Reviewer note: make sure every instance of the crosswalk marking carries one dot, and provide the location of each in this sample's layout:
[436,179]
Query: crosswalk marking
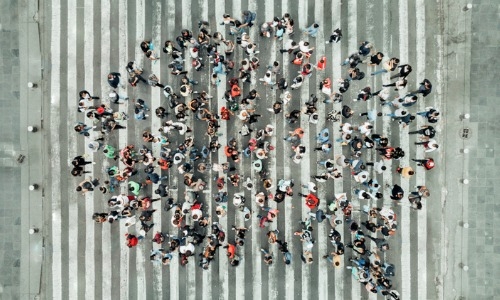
[305,162]
[323,228]
[156,98]
[55,119]
[135,275]
[288,205]
[73,228]
[422,214]
[404,217]
[335,60]
[88,58]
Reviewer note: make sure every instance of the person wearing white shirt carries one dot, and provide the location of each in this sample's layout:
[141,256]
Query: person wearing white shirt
[429,144]
[377,166]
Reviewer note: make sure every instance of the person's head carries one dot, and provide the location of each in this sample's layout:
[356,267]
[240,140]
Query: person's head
[404,112]
[294,44]
[411,172]
[78,188]
[241,242]
[315,25]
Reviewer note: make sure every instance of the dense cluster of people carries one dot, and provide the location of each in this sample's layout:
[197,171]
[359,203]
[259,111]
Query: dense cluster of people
[197,230]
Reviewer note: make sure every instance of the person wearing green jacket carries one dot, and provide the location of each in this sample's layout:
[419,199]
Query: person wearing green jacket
[110,152]
[134,187]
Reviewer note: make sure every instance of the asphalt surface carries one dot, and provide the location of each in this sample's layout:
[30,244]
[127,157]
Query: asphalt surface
[433,252]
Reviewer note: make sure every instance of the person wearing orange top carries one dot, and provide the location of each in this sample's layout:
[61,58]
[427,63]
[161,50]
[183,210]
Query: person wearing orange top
[322,63]
[311,200]
[231,250]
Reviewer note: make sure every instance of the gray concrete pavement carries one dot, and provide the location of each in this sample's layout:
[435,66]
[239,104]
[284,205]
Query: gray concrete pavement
[82,41]
[10,148]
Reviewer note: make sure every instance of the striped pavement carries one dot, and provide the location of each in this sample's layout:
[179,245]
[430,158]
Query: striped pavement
[89,39]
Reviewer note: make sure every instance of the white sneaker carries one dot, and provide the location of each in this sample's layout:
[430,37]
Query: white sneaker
[327,42]
[146,116]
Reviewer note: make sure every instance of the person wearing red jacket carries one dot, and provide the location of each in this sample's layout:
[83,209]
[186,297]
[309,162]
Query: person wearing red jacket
[311,200]
[132,240]
[427,163]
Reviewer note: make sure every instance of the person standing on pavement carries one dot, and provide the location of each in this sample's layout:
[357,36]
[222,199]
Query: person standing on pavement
[426,131]
[427,163]
[114,80]
[335,36]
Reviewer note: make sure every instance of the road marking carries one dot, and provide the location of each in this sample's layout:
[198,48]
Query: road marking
[156,98]
[306,161]
[404,144]
[323,227]
[88,62]
[107,272]
[288,204]
[422,214]
[55,120]
[335,61]
[72,151]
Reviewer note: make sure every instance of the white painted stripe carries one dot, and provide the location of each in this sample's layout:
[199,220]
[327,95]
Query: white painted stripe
[370,105]
[404,142]
[156,98]
[106,231]
[290,271]
[207,275]
[88,62]
[352,9]
[191,272]
[306,161]
[335,61]
[73,197]
[422,214]
[386,120]
[270,98]
[55,163]
[223,129]
[323,228]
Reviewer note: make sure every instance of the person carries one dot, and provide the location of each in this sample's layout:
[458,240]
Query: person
[307,257]
[311,30]
[406,172]
[397,193]
[289,46]
[110,152]
[131,240]
[382,244]
[248,18]
[268,256]
[427,163]
[426,131]
[334,259]
[425,88]
[374,60]
[404,71]
[429,144]
[430,113]
[87,185]
[335,36]
[389,66]
[114,80]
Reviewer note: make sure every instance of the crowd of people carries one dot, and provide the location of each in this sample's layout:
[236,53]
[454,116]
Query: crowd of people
[199,234]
